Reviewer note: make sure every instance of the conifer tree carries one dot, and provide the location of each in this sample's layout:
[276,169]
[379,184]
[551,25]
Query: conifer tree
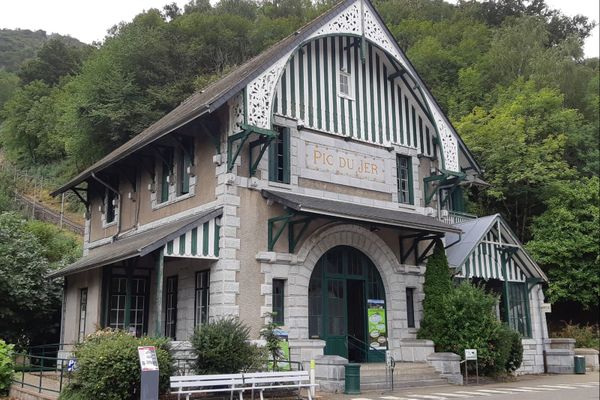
[437,284]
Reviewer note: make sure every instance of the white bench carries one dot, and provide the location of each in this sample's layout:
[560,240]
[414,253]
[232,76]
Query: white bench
[262,381]
[189,385]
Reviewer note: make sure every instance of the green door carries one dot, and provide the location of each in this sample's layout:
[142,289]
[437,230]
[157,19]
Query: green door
[335,325]
[342,288]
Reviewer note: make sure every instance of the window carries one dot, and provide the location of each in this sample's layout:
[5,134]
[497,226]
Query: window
[279,157]
[410,307]
[82,313]
[404,179]
[171,308]
[165,173]
[110,200]
[137,304]
[518,308]
[202,297]
[278,301]
[185,160]
[345,85]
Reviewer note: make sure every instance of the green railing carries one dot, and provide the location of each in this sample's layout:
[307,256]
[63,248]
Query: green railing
[41,373]
[456,217]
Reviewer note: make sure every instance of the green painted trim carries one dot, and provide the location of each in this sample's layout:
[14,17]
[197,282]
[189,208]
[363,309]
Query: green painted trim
[170,247]
[205,234]
[400,114]
[356,94]
[293,103]
[217,238]
[194,241]
[387,108]
[318,82]
[182,244]
[128,291]
[342,99]
[310,81]
[272,234]
[334,93]
[379,95]
[327,79]
[372,96]
[159,266]
[407,112]
[414,126]
[284,101]
[301,82]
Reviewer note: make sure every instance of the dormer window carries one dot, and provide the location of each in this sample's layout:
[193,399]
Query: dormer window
[345,85]
[166,173]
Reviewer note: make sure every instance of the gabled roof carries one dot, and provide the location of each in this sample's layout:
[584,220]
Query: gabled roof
[215,95]
[474,231]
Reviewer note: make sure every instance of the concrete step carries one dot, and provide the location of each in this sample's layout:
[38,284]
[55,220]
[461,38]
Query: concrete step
[406,375]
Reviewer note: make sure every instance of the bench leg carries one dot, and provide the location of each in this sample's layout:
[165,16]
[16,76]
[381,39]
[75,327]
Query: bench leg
[261,395]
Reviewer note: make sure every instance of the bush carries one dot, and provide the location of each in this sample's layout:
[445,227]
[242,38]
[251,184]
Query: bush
[515,355]
[587,336]
[222,347]
[7,367]
[438,283]
[108,366]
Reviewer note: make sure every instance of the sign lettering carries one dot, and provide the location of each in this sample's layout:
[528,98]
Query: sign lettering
[344,162]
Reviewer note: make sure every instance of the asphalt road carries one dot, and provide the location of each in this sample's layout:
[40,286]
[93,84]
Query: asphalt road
[546,387]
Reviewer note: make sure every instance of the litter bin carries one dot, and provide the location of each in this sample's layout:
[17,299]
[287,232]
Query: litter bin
[352,375]
[579,364]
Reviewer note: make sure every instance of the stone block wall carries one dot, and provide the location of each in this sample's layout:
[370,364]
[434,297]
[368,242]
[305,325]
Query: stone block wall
[448,365]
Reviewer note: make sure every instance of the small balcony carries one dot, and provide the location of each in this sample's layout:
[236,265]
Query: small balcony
[455,217]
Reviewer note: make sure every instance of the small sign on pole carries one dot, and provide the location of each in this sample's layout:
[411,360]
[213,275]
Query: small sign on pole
[150,372]
[546,308]
[471,355]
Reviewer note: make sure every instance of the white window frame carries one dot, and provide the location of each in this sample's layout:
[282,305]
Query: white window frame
[350,94]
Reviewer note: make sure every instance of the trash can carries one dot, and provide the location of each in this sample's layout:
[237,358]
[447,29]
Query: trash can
[352,379]
[579,364]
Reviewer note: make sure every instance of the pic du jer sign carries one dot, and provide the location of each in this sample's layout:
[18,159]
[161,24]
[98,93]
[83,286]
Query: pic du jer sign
[344,162]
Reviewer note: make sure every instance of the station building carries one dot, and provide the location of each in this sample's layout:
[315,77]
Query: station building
[312,182]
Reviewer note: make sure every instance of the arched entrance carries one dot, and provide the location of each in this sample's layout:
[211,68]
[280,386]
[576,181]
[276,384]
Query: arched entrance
[346,301]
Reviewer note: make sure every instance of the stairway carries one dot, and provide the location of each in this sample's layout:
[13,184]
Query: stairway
[373,376]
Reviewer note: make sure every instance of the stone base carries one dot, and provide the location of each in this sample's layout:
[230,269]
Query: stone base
[591,358]
[415,350]
[560,361]
[448,365]
[306,350]
[330,373]
[533,357]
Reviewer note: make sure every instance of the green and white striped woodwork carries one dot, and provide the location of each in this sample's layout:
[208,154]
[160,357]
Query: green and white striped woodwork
[485,261]
[200,242]
[380,110]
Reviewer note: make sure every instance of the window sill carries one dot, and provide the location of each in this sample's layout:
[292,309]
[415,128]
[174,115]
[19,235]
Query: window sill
[407,206]
[280,185]
[172,201]
[109,225]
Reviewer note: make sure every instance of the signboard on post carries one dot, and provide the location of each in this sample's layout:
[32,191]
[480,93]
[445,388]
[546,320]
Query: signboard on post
[470,354]
[377,327]
[150,373]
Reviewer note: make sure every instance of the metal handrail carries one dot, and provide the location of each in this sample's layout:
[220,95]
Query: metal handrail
[366,344]
[44,364]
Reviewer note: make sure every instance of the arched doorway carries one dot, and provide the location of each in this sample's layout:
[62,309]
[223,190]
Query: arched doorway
[346,301]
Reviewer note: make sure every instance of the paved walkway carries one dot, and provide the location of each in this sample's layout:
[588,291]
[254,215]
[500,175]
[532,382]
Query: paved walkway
[530,387]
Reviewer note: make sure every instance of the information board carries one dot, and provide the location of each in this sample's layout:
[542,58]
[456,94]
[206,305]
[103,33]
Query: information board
[377,328]
[148,360]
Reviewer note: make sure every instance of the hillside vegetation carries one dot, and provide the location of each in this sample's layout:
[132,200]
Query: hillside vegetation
[510,74]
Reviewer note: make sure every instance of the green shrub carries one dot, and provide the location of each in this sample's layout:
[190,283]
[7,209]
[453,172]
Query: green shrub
[108,366]
[7,367]
[515,355]
[587,336]
[222,347]
[438,283]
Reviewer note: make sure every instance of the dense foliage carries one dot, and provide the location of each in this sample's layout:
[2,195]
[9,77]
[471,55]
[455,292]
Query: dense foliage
[108,366]
[222,347]
[586,336]
[509,73]
[437,285]
[30,307]
[7,368]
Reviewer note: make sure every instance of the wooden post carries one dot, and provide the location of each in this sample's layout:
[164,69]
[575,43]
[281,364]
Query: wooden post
[159,266]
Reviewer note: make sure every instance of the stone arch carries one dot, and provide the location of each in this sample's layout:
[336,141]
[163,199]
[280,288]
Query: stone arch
[369,243]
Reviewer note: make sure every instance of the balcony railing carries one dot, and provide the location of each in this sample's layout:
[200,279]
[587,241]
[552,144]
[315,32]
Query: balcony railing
[455,217]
